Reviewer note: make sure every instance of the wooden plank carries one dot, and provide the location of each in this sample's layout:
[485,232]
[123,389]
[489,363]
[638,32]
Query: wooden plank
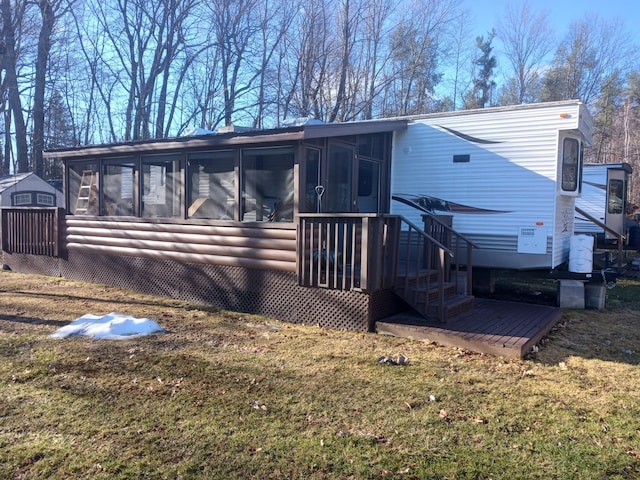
[506,329]
[522,331]
[503,326]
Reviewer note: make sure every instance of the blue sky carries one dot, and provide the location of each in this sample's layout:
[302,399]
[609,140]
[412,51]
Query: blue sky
[486,14]
[561,12]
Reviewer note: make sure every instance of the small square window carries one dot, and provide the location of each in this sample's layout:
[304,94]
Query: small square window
[45,199]
[22,199]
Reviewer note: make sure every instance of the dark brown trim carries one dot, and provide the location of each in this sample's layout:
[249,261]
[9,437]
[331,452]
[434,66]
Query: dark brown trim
[289,134]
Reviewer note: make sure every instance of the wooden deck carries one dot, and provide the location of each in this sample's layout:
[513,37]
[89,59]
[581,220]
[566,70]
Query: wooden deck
[495,327]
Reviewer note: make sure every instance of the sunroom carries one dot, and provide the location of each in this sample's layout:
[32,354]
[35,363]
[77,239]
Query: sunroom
[239,176]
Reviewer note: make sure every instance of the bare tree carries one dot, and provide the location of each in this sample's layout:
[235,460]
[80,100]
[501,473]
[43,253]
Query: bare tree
[235,28]
[459,82]
[630,127]
[417,47]
[94,110]
[50,12]
[12,17]
[275,18]
[374,57]
[527,39]
[304,69]
[146,41]
[204,102]
[592,53]
[348,19]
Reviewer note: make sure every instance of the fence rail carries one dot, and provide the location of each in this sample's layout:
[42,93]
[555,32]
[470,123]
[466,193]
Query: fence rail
[32,230]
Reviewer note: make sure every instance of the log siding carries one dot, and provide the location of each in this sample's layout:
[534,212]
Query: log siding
[252,246]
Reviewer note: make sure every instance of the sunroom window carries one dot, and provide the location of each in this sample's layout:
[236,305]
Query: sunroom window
[118,183]
[267,185]
[82,182]
[211,178]
[161,186]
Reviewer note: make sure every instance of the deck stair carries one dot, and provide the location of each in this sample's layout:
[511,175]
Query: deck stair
[428,268]
[425,279]
[432,299]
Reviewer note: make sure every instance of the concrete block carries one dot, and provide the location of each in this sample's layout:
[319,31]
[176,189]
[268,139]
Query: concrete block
[571,294]
[594,296]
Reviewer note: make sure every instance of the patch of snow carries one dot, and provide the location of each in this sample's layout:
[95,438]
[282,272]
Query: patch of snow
[113,326]
[301,122]
[195,131]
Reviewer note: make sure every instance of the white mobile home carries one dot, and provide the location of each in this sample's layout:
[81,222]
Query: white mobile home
[509,177]
[604,197]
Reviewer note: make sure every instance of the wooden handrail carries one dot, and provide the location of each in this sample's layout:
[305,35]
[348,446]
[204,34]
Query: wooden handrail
[428,237]
[454,232]
[459,239]
[621,238]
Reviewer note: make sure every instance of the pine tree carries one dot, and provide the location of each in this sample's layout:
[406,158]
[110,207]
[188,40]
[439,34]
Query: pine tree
[483,84]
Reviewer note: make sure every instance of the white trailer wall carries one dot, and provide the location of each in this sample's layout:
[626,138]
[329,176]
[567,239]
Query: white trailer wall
[504,177]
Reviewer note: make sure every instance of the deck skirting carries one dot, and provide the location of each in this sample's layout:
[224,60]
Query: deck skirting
[274,293]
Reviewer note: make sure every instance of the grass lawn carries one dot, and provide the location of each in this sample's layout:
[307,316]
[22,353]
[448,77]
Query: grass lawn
[234,396]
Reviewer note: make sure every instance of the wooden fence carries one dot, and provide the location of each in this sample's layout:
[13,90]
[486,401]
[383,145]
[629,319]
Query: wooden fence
[32,230]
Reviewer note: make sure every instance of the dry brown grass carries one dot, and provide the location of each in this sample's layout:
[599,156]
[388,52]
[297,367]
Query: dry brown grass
[229,395]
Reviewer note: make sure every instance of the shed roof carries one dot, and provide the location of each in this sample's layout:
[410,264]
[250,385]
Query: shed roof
[8,181]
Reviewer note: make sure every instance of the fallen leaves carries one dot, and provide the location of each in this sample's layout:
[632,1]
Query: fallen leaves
[635,453]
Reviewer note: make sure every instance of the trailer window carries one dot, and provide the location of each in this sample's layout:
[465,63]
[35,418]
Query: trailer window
[616,196]
[570,164]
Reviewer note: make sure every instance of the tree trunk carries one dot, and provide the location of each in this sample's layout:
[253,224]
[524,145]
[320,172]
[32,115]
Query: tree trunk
[11,85]
[44,46]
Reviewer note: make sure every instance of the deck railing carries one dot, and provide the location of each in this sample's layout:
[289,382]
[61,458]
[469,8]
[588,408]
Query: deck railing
[32,230]
[424,265]
[341,251]
[369,252]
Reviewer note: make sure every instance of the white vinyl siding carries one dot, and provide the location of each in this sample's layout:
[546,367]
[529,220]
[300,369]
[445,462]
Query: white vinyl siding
[510,169]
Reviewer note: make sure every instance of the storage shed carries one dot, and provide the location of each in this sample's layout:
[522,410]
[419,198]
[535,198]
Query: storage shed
[26,190]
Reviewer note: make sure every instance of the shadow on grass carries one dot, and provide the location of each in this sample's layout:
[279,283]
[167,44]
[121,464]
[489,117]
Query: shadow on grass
[167,302]
[33,321]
